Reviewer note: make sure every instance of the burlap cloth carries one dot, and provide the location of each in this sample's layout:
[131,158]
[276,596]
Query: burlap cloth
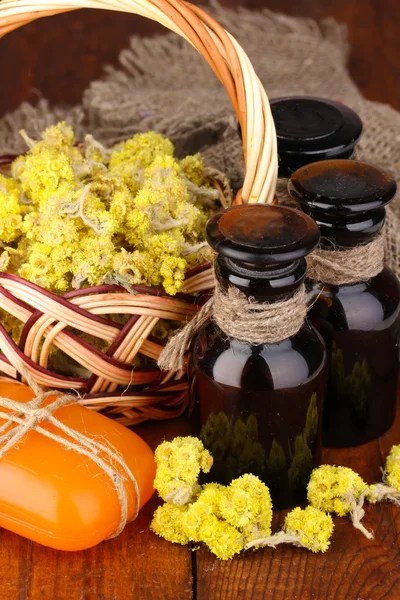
[163,84]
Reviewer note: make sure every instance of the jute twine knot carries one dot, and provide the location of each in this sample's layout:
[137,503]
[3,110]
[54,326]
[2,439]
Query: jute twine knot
[25,417]
[340,266]
[242,318]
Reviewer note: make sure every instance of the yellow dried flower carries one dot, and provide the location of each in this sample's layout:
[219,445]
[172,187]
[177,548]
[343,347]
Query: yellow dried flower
[203,522]
[152,267]
[46,174]
[92,259]
[137,226]
[246,504]
[333,489]
[311,526]
[225,518]
[12,325]
[393,467]
[59,136]
[89,210]
[204,512]
[223,539]
[48,267]
[178,467]
[136,199]
[10,210]
[168,523]
[129,159]
[390,488]
[193,168]
[339,490]
[164,169]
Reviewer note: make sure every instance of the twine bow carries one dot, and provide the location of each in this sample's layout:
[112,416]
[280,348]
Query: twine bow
[25,417]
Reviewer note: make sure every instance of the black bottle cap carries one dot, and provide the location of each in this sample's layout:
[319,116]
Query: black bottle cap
[345,197]
[259,234]
[313,129]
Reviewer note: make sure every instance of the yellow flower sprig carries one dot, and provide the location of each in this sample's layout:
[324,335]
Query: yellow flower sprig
[341,491]
[228,519]
[179,464]
[223,518]
[309,528]
[390,488]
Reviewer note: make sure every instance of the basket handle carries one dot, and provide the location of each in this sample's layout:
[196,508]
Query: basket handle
[221,51]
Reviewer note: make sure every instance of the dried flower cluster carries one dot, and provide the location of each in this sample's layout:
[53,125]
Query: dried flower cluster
[73,216]
[227,519]
[390,488]
[339,490]
[178,468]
[342,491]
[237,517]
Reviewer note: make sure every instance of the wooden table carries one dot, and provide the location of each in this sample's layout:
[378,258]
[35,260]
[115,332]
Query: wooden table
[142,566]
[138,564]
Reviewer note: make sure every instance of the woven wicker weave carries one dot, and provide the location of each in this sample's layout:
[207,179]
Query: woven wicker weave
[133,394]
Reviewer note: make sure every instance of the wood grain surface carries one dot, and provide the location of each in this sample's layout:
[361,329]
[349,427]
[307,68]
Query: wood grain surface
[354,568]
[139,565]
[57,58]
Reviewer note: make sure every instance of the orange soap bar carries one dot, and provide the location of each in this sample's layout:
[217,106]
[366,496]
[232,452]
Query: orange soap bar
[58,497]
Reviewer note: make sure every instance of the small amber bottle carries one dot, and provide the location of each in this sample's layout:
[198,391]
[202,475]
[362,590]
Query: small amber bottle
[359,320]
[258,407]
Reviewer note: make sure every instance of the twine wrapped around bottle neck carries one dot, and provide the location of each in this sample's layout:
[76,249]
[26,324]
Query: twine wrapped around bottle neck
[341,266]
[20,418]
[241,318]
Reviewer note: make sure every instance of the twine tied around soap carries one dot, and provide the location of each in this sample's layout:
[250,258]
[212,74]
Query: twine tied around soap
[341,266]
[242,318]
[29,416]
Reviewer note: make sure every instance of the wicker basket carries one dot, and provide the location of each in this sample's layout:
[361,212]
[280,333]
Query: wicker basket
[132,394]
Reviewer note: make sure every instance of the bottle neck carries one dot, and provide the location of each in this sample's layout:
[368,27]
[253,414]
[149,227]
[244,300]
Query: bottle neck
[289,162]
[350,230]
[269,284]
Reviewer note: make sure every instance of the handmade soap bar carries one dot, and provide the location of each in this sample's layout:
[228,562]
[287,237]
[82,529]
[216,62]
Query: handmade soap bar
[59,497]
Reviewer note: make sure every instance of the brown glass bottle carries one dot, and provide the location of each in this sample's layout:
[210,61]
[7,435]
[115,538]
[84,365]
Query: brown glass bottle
[310,129]
[258,408]
[360,321]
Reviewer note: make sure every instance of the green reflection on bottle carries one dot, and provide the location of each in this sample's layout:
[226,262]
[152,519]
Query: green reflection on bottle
[302,464]
[353,389]
[215,435]
[360,382]
[338,378]
[235,450]
[311,429]
[276,462]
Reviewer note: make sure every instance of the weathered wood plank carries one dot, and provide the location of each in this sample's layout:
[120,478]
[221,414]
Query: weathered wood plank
[353,569]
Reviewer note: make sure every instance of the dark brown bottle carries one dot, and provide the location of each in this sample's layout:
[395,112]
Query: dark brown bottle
[312,129]
[258,407]
[359,321]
